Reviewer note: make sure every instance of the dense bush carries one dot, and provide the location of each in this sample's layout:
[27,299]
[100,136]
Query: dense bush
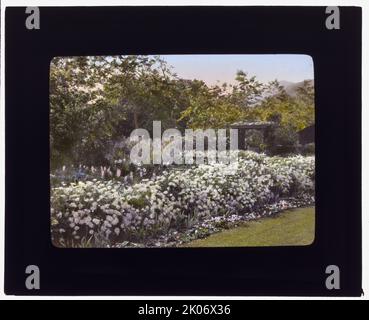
[100,212]
[283,141]
[308,149]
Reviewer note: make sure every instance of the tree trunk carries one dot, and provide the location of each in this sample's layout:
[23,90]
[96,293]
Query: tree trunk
[135,119]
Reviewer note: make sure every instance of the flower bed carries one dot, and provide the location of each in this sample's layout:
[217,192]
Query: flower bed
[106,213]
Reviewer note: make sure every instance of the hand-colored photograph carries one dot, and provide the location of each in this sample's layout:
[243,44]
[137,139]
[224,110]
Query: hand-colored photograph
[156,151]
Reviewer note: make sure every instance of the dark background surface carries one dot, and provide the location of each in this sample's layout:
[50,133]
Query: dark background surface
[180,30]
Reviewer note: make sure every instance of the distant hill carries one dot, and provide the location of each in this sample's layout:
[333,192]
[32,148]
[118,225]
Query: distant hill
[291,87]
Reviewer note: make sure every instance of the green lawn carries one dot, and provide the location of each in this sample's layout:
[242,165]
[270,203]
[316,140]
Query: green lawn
[291,227]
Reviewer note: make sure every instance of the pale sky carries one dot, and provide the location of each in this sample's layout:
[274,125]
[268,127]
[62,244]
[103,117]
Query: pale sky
[266,67]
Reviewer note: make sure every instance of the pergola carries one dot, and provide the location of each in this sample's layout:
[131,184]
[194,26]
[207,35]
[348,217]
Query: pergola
[243,126]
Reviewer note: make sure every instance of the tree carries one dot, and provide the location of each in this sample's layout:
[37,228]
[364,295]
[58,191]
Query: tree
[294,112]
[147,89]
[82,119]
[305,92]
[220,106]
[96,101]
[247,91]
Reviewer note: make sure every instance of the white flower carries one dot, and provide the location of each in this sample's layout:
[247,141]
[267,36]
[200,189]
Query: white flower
[200,191]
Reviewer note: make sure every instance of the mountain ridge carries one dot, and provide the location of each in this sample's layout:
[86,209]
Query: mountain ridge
[291,87]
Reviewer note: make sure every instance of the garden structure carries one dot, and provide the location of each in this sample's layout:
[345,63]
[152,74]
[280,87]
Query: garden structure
[307,135]
[247,130]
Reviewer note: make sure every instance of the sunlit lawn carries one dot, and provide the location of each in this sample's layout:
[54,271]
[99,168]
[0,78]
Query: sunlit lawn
[291,227]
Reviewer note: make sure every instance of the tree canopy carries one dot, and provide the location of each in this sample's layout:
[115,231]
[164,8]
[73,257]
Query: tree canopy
[95,101]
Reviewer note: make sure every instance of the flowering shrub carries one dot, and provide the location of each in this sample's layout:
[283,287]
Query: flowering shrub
[107,212]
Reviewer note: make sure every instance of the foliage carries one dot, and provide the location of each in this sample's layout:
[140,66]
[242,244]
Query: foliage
[81,122]
[96,101]
[210,108]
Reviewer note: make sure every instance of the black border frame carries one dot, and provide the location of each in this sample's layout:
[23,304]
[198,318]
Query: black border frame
[291,271]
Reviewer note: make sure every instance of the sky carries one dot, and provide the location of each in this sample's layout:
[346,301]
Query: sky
[223,68]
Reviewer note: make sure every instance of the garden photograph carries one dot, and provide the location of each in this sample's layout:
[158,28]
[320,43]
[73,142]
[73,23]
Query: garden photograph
[185,151]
